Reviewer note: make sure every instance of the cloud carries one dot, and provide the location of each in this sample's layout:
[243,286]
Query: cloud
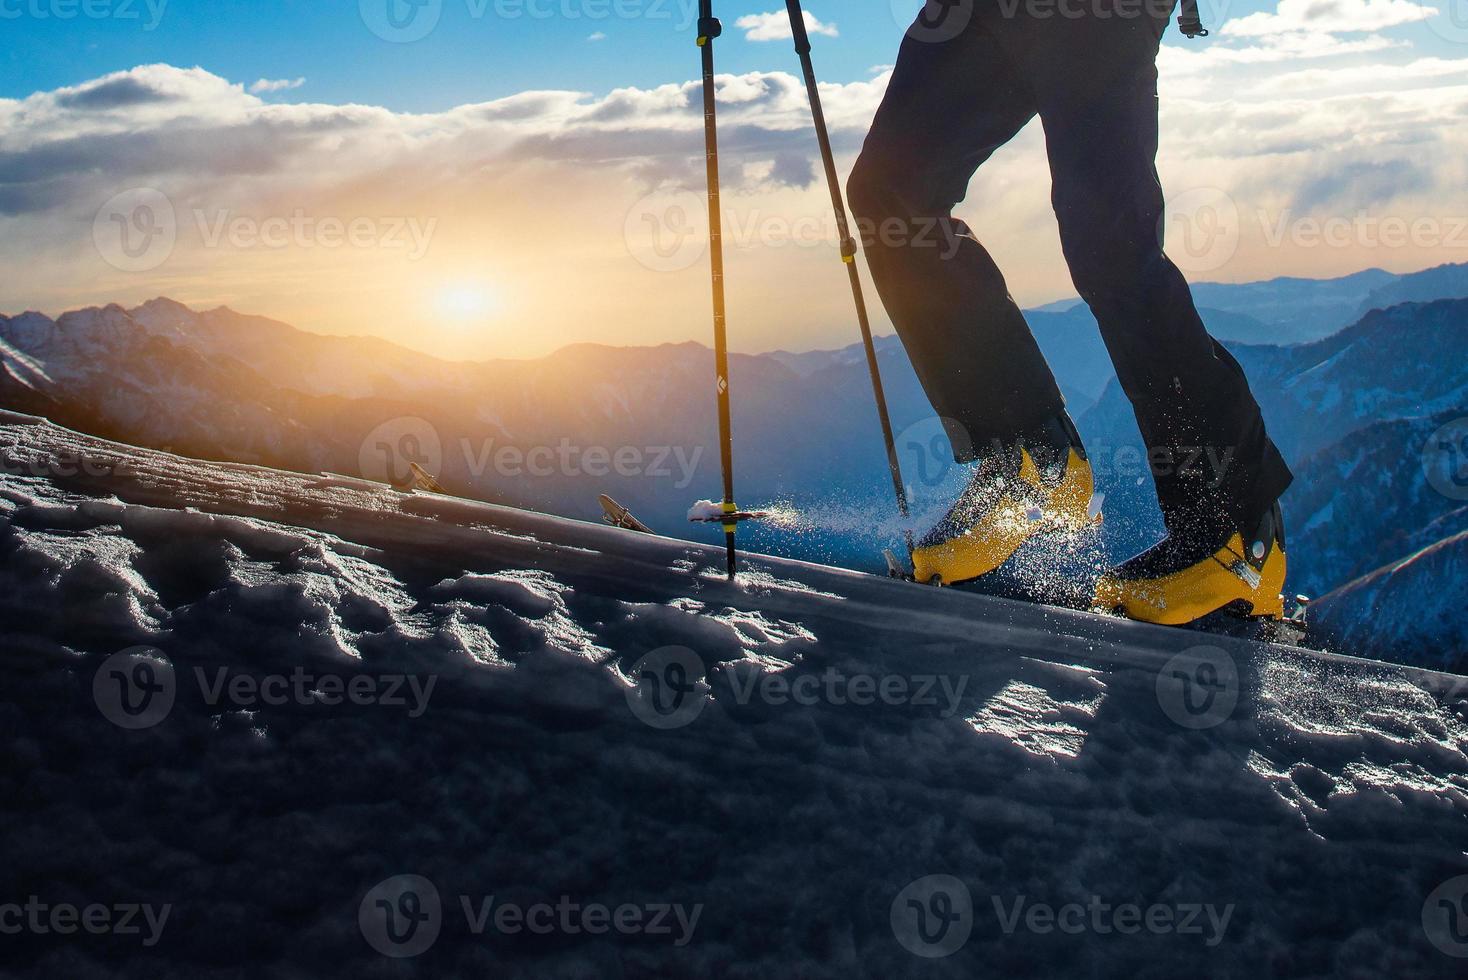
[775,26]
[111,93]
[277,84]
[1329,17]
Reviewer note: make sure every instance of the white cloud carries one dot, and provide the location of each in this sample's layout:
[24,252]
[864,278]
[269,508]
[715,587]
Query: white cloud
[775,26]
[277,84]
[1329,17]
[596,36]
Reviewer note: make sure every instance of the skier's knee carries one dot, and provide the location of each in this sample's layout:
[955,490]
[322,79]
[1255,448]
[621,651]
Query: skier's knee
[870,192]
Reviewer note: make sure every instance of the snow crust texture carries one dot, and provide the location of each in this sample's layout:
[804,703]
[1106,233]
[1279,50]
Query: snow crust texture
[340,730]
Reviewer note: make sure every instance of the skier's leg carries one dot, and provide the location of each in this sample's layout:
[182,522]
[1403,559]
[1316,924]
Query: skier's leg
[1225,544]
[948,107]
[1191,398]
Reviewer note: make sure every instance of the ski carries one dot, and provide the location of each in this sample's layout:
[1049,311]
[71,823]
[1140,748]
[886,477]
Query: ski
[616,515]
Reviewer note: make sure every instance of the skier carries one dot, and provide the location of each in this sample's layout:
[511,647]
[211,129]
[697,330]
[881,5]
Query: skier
[969,76]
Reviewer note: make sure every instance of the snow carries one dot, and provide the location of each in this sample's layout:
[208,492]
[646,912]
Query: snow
[840,741]
[706,510]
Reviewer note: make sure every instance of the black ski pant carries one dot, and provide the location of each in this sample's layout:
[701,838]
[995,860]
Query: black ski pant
[961,90]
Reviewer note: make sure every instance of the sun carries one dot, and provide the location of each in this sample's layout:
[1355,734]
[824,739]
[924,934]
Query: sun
[466,301]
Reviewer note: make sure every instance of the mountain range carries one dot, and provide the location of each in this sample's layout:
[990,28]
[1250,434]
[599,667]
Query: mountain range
[1353,406]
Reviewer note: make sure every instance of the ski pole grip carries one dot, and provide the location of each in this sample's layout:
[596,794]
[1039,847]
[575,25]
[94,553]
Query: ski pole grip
[797,27]
[708,29]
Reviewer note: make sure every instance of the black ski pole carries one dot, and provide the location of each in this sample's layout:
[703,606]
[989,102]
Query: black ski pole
[708,29]
[848,250]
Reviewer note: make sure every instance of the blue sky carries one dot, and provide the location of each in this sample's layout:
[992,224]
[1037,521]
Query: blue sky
[474,54]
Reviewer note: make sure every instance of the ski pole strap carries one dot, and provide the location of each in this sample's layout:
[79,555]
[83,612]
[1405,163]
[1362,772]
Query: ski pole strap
[708,25]
[1188,20]
[731,524]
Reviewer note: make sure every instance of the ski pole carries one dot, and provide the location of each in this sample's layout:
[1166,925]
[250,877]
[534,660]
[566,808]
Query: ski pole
[848,251]
[708,29]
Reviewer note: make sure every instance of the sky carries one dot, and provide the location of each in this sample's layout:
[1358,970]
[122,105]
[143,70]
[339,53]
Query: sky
[487,178]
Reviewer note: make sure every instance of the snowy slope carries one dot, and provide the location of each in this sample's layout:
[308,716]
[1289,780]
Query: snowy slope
[986,764]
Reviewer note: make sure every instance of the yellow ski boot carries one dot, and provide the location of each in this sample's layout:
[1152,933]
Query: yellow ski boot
[1181,581]
[1036,486]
